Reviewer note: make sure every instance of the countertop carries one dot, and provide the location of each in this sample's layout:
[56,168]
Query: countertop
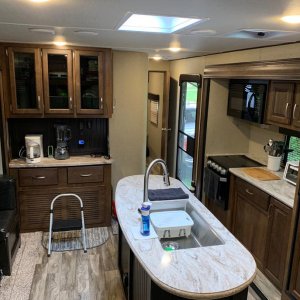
[83,160]
[279,189]
[197,273]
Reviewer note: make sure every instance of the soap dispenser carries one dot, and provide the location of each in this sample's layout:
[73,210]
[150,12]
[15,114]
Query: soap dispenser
[145,218]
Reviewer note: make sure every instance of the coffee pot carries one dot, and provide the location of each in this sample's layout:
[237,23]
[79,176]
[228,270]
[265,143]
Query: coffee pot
[34,148]
[63,135]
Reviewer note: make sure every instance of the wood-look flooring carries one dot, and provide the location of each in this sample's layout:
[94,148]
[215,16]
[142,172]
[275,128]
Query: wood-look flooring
[77,275]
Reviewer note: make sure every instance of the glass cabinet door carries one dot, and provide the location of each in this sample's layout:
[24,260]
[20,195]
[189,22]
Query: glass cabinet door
[58,88]
[89,82]
[26,80]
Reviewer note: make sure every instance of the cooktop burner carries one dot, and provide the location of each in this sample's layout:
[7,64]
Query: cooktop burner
[234,161]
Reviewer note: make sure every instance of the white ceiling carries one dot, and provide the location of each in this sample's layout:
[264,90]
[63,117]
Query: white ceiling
[226,18]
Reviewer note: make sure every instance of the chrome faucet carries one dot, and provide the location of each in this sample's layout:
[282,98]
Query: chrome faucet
[146,178]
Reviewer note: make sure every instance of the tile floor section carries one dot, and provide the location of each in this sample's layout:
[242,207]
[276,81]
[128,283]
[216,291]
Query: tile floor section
[18,285]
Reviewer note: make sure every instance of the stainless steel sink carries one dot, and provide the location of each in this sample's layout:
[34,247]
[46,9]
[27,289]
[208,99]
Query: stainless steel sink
[202,234]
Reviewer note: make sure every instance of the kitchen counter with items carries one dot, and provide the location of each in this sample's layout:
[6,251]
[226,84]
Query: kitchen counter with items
[83,160]
[279,189]
[205,272]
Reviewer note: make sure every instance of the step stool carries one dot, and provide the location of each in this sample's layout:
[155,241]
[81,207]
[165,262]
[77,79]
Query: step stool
[66,225]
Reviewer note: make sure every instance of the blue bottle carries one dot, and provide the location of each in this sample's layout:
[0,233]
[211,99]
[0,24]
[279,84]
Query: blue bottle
[145,221]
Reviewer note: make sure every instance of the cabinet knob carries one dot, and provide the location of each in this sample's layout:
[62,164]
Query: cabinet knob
[38,177]
[86,175]
[287,110]
[294,111]
[71,103]
[101,103]
[248,192]
[39,101]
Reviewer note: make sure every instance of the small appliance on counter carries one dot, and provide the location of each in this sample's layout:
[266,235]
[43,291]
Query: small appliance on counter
[63,135]
[34,148]
[291,172]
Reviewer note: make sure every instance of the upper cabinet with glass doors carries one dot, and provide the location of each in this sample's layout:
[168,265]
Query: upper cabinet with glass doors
[25,81]
[59,82]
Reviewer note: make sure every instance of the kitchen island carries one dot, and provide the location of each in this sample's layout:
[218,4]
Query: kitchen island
[215,272]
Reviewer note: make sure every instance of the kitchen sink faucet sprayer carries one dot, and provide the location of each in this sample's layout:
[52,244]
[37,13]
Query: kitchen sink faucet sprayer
[146,178]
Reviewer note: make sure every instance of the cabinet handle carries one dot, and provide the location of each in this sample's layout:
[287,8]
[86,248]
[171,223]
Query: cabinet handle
[38,177]
[86,175]
[71,103]
[101,103]
[248,192]
[294,111]
[286,109]
[39,101]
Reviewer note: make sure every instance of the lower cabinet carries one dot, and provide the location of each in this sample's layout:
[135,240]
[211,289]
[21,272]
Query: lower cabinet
[262,224]
[37,187]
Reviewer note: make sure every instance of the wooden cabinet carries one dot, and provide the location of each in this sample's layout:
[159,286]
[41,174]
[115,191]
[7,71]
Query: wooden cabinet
[283,105]
[25,81]
[55,82]
[262,224]
[250,221]
[277,241]
[58,81]
[38,186]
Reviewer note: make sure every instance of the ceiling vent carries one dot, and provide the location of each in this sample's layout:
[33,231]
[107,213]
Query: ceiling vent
[259,34]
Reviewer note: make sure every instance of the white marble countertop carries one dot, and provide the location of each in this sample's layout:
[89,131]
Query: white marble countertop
[196,273]
[279,189]
[83,160]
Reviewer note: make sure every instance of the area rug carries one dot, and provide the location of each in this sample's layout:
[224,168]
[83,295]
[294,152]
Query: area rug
[72,240]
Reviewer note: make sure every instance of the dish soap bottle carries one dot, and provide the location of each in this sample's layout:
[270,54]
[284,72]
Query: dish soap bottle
[145,222]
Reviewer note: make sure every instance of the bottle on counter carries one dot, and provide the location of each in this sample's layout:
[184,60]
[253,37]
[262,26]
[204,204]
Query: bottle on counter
[145,220]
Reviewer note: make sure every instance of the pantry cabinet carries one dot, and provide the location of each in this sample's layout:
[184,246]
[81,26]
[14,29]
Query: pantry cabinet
[52,82]
[26,84]
[262,224]
[283,104]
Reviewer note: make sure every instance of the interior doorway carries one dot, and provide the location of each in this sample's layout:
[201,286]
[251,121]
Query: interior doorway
[157,116]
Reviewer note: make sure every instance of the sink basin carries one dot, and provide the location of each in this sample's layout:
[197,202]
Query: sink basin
[202,235]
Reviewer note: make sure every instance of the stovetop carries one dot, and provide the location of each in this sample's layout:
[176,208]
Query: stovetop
[234,161]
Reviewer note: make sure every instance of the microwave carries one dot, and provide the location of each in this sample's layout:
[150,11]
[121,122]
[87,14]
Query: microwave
[246,99]
[291,172]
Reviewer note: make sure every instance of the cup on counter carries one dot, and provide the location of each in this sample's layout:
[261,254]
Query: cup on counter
[274,163]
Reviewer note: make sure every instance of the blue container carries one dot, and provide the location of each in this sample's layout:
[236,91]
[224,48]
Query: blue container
[145,220]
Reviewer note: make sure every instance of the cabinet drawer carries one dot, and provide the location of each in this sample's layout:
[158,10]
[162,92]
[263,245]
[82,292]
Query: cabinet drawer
[253,194]
[38,177]
[85,174]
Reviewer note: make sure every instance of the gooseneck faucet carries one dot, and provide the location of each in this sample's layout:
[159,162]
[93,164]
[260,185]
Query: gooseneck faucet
[146,178]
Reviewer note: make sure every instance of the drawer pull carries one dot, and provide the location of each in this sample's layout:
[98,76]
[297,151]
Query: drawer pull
[86,175]
[248,192]
[38,177]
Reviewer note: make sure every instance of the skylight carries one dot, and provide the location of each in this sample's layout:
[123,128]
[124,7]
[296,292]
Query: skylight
[160,24]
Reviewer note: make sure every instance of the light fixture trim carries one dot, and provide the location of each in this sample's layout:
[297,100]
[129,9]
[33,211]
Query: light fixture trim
[291,19]
[156,23]
[59,43]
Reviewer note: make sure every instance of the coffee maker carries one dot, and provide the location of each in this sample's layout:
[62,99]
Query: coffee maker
[34,148]
[63,135]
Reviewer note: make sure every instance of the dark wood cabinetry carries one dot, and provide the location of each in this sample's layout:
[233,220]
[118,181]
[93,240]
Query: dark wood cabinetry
[262,224]
[250,222]
[38,186]
[277,241]
[283,105]
[51,82]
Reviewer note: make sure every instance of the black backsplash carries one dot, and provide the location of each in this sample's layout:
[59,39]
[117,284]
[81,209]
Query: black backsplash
[93,131]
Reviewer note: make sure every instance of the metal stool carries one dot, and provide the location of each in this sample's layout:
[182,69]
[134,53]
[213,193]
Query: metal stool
[65,225]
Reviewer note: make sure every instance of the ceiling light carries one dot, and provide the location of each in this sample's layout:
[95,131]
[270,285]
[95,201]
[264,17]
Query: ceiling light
[39,1]
[156,57]
[293,19]
[59,43]
[42,30]
[174,49]
[86,32]
[158,24]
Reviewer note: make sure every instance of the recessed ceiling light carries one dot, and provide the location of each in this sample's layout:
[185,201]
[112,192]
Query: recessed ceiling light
[39,1]
[174,49]
[42,30]
[156,57]
[158,24]
[86,32]
[59,43]
[293,19]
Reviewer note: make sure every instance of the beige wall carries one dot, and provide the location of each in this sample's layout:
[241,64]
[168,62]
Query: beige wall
[155,86]
[160,65]
[127,127]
